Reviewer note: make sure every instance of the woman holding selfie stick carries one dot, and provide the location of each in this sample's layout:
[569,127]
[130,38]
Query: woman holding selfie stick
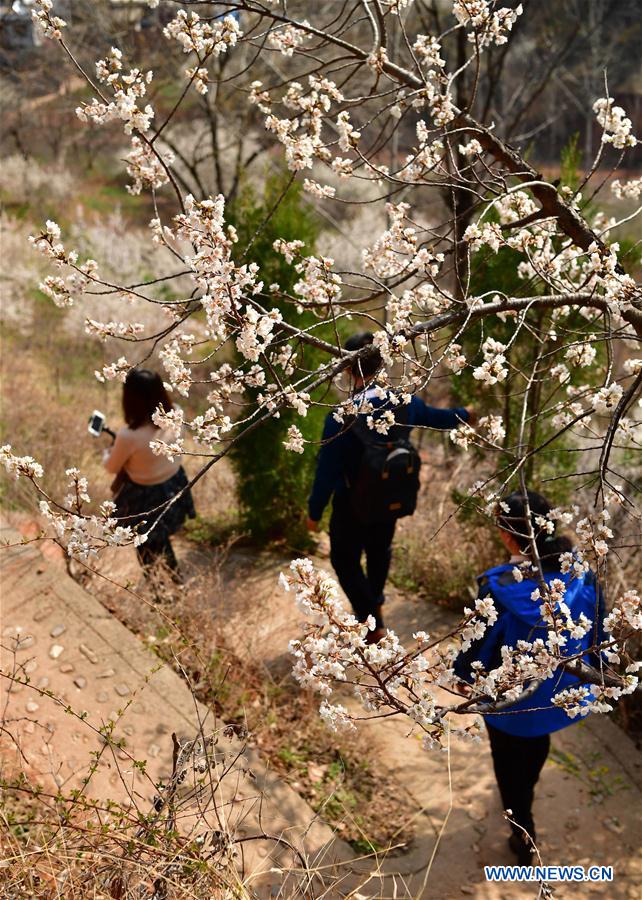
[145,482]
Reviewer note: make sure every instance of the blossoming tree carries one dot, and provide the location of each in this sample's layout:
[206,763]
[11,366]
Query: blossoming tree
[347,106]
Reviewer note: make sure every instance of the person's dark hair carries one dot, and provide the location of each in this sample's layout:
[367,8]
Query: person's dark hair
[143,393]
[366,365]
[512,518]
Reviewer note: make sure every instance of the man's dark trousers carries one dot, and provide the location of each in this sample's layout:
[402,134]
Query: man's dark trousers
[349,539]
[518,762]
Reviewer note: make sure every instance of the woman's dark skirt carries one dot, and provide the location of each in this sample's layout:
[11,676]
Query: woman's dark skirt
[141,506]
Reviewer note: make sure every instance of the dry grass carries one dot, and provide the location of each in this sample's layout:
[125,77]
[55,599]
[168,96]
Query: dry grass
[189,843]
[47,401]
[55,846]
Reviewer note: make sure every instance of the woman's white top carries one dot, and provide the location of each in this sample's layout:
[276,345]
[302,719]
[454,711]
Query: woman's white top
[131,452]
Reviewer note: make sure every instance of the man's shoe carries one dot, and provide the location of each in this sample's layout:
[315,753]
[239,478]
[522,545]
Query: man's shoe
[521,847]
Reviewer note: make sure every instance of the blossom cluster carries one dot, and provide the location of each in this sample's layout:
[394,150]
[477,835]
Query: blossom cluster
[146,167]
[426,158]
[128,88]
[616,124]
[488,26]
[395,249]
[428,49]
[565,268]
[594,533]
[494,367]
[319,285]
[384,675]
[294,441]
[631,189]
[18,466]
[301,133]
[50,25]
[114,371]
[82,535]
[626,613]
[201,37]
[105,330]
[287,38]
[63,291]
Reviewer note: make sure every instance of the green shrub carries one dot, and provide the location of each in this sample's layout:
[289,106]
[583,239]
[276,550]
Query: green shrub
[273,483]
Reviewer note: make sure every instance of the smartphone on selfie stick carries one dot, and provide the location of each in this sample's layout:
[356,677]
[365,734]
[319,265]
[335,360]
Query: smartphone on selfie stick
[97,425]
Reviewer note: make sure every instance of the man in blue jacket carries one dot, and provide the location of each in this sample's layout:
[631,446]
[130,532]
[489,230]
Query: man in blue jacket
[338,464]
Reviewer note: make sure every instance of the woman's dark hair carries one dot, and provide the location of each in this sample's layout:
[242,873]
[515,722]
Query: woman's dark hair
[367,365]
[143,393]
[512,518]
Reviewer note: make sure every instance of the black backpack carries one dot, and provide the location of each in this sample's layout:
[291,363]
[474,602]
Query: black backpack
[386,483]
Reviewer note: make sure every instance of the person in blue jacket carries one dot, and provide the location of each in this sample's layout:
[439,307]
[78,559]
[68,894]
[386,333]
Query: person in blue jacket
[337,466]
[519,734]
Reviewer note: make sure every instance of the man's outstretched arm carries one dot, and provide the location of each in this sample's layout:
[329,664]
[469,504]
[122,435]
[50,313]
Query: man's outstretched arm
[439,417]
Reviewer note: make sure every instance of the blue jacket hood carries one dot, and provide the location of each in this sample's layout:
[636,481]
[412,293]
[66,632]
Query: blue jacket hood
[515,596]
